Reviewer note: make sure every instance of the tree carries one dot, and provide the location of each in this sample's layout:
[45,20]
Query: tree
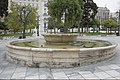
[90,10]
[70,10]
[95,24]
[109,24]
[51,23]
[3,7]
[15,22]
[3,26]
[31,18]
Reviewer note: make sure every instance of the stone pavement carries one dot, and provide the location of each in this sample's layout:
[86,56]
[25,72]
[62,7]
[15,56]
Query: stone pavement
[109,69]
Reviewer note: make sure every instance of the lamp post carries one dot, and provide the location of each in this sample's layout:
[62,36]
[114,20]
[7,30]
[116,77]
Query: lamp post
[118,22]
[37,27]
[24,12]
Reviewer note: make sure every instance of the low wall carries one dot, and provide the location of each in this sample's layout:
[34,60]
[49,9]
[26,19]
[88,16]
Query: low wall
[45,57]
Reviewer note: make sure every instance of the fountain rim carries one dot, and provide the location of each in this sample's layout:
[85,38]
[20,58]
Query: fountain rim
[10,45]
[66,34]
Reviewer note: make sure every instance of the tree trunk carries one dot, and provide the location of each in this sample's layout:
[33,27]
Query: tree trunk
[54,30]
[110,30]
[5,31]
[82,30]
[72,30]
[106,30]
[14,31]
[115,30]
[50,30]
[78,28]
[30,30]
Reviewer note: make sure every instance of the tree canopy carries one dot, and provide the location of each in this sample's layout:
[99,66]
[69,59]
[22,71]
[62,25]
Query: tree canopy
[109,23]
[90,10]
[15,19]
[69,10]
[72,12]
[3,7]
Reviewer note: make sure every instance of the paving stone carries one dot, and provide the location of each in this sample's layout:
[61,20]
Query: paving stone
[111,78]
[2,69]
[20,69]
[90,76]
[118,77]
[3,76]
[84,72]
[103,71]
[102,75]
[72,74]
[32,77]
[76,77]
[104,68]
[60,75]
[113,66]
[32,71]
[44,76]
[19,75]
[57,70]
[113,73]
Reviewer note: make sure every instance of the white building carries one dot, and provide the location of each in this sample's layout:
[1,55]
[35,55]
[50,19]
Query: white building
[103,13]
[42,10]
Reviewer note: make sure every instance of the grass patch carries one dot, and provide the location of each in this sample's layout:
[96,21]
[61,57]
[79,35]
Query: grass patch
[97,33]
[15,35]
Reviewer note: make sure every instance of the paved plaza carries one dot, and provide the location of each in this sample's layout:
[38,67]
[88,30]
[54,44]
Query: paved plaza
[109,69]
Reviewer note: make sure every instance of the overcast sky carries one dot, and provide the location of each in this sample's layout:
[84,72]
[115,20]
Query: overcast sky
[113,5]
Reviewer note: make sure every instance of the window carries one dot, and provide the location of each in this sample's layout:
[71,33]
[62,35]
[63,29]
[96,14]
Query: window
[24,4]
[45,14]
[45,9]
[37,6]
[20,3]
[33,4]
[45,5]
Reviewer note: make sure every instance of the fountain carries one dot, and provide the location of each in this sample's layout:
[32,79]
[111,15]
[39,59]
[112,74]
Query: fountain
[58,51]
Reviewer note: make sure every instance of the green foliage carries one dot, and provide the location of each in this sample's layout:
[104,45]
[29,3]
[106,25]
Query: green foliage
[31,18]
[109,23]
[71,10]
[51,23]
[15,35]
[3,26]
[15,22]
[90,10]
[3,7]
[95,22]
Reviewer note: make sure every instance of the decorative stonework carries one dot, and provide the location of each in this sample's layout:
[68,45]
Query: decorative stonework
[60,38]
[57,58]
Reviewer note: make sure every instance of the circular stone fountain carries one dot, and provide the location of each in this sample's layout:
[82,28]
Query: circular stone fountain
[57,50]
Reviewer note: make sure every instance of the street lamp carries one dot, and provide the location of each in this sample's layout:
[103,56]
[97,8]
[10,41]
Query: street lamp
[118,22]
[37,27]
[45,24]
[24,12]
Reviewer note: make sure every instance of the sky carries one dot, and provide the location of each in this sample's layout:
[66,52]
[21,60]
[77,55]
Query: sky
[112,5]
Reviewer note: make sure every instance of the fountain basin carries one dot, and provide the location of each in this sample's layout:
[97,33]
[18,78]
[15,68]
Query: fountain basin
[60,38]
[57,57]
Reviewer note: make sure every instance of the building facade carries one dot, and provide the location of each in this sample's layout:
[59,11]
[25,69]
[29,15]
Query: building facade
[103,13]
[42,11]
